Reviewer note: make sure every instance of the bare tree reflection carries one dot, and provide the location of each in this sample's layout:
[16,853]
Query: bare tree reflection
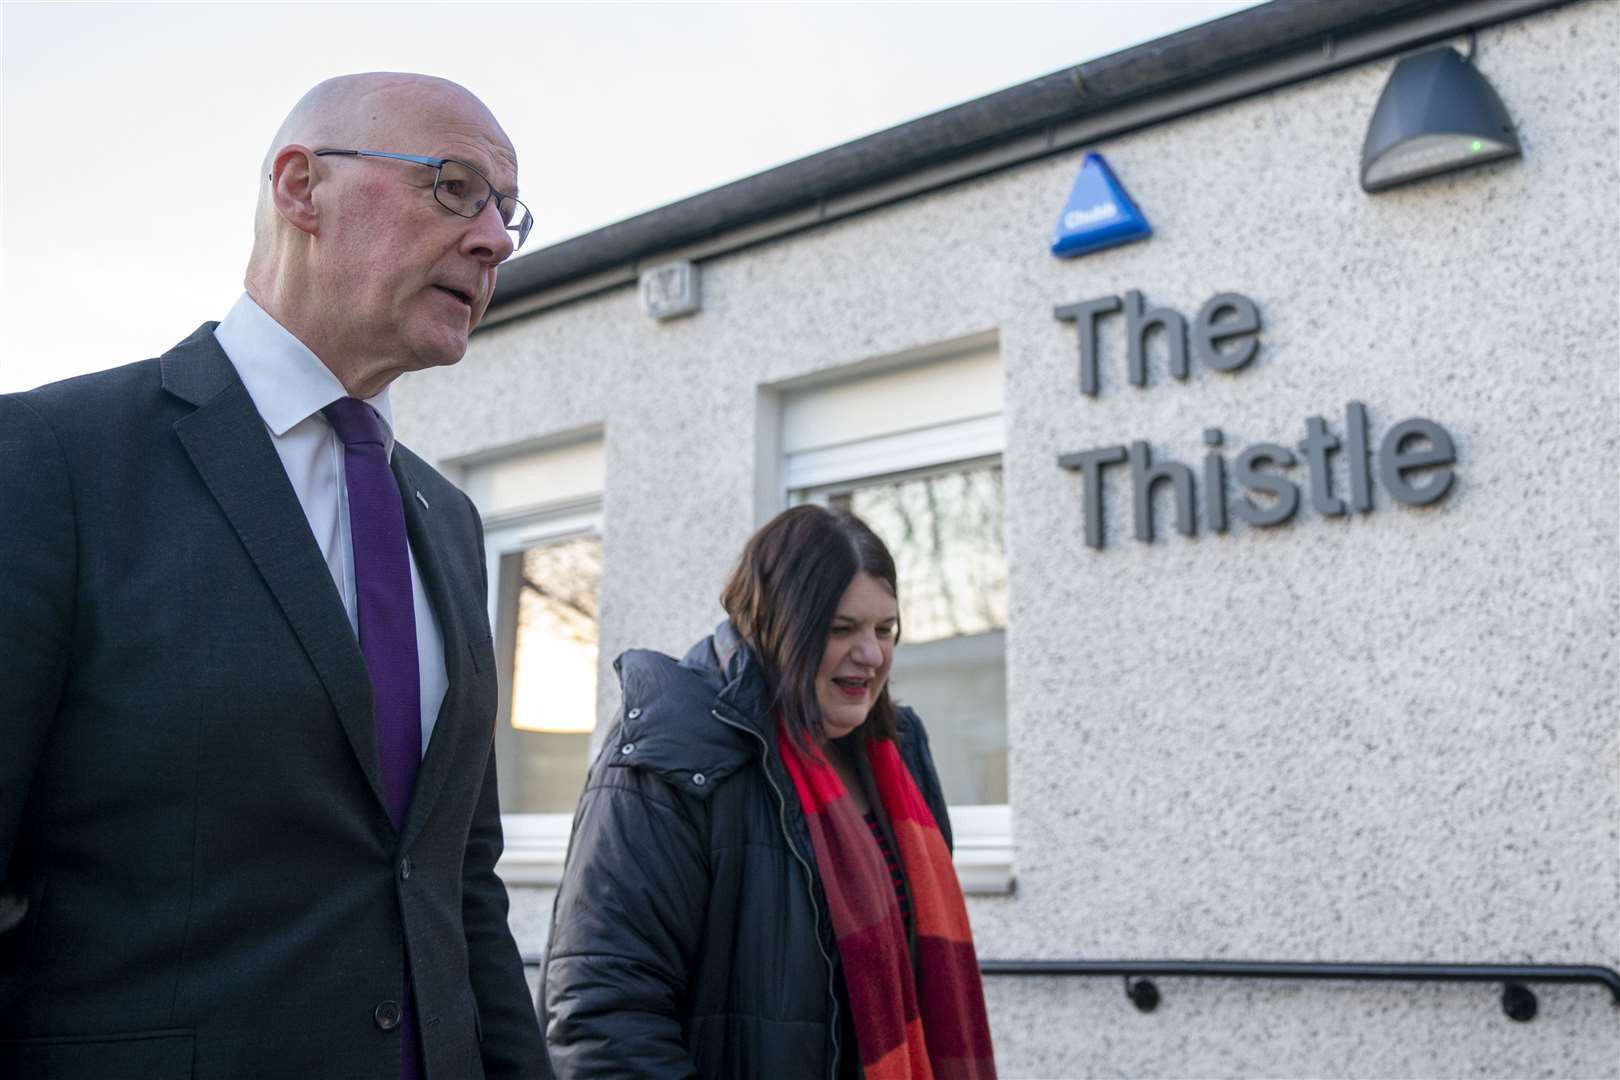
[945,531]
[557,585]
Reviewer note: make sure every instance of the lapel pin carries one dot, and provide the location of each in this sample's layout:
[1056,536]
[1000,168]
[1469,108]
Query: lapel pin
[423,500]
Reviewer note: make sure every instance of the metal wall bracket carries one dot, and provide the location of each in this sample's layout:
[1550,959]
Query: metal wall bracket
[1143,994]
[1519,1002]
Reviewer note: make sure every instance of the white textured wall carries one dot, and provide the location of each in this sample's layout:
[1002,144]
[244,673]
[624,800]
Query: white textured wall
[1385,737]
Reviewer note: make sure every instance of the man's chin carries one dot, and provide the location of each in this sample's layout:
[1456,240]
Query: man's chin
[450,356]
[440,350]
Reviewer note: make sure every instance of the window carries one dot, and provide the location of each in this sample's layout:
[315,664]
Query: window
[547,638]
[944,530]
[543,545]
[914,450]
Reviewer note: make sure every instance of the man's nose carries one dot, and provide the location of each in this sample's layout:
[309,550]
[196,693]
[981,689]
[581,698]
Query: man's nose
[488,239]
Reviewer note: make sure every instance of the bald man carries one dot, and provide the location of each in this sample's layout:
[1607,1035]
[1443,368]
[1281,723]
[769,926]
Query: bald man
[248,817]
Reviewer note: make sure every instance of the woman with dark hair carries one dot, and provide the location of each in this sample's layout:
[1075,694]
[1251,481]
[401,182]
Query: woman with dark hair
[759,882]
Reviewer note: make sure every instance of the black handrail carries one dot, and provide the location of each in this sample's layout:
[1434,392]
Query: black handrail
[1517,999]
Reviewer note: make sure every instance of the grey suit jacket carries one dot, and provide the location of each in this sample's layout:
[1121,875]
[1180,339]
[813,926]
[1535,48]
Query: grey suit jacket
[201,875]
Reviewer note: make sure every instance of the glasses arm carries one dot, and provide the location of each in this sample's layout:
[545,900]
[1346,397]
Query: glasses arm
[418,159]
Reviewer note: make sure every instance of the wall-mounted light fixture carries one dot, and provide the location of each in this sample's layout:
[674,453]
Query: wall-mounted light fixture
[1437,113]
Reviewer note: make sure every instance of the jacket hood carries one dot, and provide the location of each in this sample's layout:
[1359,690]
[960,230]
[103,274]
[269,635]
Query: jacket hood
[681,718]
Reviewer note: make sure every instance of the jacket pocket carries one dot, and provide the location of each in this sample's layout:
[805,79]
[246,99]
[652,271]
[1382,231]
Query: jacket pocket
[126,1055]
[482,647]
[477,1019]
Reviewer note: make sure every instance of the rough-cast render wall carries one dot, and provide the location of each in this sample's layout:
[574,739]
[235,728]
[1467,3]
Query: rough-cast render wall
[1384,737]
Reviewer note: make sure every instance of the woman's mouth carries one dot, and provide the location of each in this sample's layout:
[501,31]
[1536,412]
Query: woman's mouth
[855,689]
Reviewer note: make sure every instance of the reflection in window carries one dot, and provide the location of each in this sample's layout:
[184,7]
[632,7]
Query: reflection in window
[548,617]
[945,532]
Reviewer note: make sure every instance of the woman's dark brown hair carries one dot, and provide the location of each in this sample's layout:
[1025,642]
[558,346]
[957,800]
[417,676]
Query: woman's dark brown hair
[782,598]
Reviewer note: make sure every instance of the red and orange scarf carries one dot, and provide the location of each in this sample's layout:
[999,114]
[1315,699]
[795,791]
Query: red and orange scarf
[910,1026]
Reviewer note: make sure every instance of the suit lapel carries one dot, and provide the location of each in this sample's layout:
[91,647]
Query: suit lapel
[426,527]
[229,447]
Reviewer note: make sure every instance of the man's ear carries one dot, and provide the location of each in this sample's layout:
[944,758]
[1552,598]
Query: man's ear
[292,186]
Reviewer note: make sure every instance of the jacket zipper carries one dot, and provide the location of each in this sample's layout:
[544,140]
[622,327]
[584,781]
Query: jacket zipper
[809,879]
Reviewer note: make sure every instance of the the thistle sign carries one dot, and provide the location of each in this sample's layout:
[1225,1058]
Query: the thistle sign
[1412,460]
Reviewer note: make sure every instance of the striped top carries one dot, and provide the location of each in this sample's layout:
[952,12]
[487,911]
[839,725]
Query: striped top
[896,875]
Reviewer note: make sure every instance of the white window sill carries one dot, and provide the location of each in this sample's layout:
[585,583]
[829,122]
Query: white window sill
[984,849]
[537,844]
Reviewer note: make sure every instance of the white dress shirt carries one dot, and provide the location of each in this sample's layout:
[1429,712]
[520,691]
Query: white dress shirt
[290,386]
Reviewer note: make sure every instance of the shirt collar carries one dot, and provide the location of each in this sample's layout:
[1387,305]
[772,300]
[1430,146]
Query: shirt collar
[287,382]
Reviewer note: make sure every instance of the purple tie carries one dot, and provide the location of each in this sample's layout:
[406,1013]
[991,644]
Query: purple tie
[387,618]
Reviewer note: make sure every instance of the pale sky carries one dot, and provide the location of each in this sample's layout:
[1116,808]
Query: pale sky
[132,133]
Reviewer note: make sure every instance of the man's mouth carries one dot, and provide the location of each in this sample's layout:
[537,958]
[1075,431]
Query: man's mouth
[465,298]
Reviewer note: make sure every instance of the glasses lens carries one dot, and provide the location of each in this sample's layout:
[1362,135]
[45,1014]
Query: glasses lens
[518,219]
[461,190]
[464,191]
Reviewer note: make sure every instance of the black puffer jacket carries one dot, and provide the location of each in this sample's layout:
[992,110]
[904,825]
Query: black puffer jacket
[691,936]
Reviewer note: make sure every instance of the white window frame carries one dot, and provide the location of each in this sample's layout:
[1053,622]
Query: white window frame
[984,854]
[535,844]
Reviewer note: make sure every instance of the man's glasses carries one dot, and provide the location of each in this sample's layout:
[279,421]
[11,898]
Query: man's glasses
[462,190]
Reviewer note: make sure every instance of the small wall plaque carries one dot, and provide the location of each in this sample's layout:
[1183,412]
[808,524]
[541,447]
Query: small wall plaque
[670,291]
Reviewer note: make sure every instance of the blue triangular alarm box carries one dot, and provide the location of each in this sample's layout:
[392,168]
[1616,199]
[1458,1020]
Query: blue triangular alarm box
[1098,214]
